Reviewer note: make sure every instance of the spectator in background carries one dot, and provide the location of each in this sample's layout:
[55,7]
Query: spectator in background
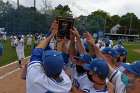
[29,40]
[119,44]
[4,36]
[36,40]
[13,37]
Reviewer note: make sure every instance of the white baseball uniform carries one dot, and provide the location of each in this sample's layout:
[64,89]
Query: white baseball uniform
[20,48]
[38,82]
[116,79]
[12,40]
[53,43]
[36,39]
[90,89]
[111,43]
[116,46]
[41,39]
[80,81]
[4,36]
[29,39]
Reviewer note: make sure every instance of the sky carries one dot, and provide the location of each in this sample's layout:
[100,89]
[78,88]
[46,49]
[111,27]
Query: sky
[85,7]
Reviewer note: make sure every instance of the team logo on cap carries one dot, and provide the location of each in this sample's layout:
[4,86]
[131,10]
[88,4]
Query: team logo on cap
[95,69]
[124,53]
[109,52]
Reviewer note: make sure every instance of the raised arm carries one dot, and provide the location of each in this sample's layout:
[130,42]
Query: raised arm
[72,50]
[93,46]
[96,50]
[54,29]
[79,43]
[60,45]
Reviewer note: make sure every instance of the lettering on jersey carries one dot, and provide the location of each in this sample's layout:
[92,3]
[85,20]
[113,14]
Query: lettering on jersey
[76,83]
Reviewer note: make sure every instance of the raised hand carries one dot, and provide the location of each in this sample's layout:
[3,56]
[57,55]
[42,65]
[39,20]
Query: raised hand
[75,32]
[89,38]
[54,28]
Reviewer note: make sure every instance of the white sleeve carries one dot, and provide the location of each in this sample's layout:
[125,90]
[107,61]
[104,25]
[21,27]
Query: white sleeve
[117,81]
[15,41]
[34,70]
[87,88]
[38,82]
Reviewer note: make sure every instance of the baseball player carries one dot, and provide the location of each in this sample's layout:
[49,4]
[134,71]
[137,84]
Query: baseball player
[19,43]
[53,43]
[29,40]
[36,40]
[122,54]
[41,38]
[78,73]
[119,44]
[128,82]
[98,71]
[123,83]
[4,36]
[111,55]
[111,43]
[45,71]
[13,37]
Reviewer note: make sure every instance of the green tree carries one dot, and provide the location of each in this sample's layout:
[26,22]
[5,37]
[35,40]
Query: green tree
[115,19]
[61,11]
[98,21]
[129,20]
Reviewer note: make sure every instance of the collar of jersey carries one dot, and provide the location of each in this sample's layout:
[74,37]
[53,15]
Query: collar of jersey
[101,90]
[57,81]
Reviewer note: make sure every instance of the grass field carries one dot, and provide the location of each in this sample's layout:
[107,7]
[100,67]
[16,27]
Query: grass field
[9,53]
[133,50]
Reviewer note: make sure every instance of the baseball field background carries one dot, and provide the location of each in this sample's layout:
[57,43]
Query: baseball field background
[9,53]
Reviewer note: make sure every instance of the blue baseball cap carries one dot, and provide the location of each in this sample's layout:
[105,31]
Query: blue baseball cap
[98,65]
[84,57]
[121,51]
[119,41]
[110,51]
[133,67]
[52,62]
[106,40]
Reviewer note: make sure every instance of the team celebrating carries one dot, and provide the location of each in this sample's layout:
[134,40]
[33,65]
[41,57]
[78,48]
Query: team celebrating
[80,65]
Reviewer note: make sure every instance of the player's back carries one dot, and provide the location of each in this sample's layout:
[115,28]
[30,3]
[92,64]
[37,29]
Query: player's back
[40,83]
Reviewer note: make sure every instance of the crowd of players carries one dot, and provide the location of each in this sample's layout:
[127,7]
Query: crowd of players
[18,42]
[80,65]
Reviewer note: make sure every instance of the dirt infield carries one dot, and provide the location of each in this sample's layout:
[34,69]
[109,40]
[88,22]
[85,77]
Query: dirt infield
[136,50]
[10,81]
